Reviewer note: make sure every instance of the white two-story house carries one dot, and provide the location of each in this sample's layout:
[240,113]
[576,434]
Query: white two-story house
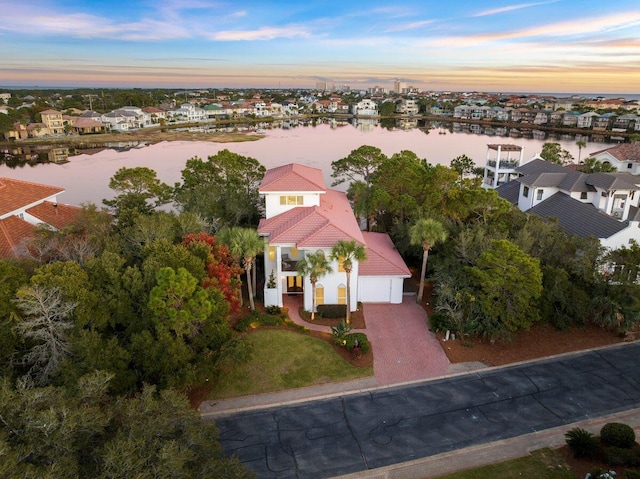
[303,216]
[366,107]
[600,205]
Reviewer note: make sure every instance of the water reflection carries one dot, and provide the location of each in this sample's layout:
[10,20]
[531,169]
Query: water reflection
[316,143]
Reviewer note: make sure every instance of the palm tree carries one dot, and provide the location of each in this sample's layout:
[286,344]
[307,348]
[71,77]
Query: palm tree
[581,144]
[246,244]
[252,245]
[347,252]
[426,233]
[314,265]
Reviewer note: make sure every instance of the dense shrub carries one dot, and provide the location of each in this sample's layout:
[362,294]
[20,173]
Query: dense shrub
[275,310]
[246,323]
[618,435]
[631,474]
[440,322]
[582,443]
[332,311]
[361,338]
[618,456]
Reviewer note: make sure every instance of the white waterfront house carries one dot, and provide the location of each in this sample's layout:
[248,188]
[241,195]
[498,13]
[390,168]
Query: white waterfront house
[302,216]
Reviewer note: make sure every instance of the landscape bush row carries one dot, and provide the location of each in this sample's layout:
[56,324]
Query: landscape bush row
[615,447]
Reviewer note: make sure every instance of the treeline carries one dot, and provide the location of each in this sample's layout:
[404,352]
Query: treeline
[106,324]
[499,270]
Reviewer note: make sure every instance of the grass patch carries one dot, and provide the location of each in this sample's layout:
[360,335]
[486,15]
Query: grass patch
[541,464]
[285,360]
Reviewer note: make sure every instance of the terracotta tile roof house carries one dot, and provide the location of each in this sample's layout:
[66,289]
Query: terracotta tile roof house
[600,205]
[625,157]
[23,205]
[303,216]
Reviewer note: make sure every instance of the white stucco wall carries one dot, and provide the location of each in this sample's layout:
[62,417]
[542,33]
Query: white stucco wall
[623,238]
[274,208]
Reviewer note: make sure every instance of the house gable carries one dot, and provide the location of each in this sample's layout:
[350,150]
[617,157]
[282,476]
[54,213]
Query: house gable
[23,205]
[17,195]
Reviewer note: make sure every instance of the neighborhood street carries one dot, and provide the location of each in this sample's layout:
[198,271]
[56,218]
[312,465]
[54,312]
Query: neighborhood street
[366,430]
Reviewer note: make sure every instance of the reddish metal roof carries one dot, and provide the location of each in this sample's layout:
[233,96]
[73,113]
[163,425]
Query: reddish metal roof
[55,214]
[13,231]
[315,226]
[16,194]
[293,177]
[383,258]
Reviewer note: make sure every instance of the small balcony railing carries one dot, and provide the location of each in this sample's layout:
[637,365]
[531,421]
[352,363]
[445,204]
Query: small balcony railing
[504,164]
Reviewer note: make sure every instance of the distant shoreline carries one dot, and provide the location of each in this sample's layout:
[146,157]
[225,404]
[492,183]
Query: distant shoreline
[627,96]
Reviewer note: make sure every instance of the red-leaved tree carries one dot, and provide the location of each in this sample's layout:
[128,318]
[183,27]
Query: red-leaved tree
[222,270]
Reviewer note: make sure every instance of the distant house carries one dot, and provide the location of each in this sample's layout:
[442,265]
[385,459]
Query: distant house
[366,107]
[23,206]
[570,118]
[154,113]
[188,113]
[586,119]
[53,122]
[19,132]
[599,205]
[82,125]
[407,107]
[303,216]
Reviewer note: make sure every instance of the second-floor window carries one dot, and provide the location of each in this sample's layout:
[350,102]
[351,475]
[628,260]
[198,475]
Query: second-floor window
[291,200]
[583,195]
[525,192]
[539,194]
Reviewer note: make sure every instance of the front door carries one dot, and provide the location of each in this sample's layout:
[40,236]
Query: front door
[294,285]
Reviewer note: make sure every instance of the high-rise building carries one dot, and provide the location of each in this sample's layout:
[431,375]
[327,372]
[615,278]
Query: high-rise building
[322,85]
[399,86]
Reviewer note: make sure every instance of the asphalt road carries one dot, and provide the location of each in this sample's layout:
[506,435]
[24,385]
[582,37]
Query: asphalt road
[330,437]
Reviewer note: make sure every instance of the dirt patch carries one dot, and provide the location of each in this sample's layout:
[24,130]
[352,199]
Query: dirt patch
[540,341]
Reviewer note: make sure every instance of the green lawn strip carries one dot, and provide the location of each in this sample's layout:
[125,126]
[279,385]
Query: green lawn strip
[285,360]
[541,464]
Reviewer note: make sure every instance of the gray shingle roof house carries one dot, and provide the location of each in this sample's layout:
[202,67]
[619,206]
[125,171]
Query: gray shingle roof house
[599,205]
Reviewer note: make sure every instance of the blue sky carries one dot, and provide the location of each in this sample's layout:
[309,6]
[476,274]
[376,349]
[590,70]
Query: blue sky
[550,46]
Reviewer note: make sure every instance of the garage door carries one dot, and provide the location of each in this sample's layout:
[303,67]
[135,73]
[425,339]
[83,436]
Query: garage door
[375,290]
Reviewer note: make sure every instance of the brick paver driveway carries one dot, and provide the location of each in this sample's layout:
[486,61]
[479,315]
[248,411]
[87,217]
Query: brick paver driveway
[404,348]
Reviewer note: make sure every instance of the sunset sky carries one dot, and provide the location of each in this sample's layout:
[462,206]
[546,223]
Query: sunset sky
[578,46]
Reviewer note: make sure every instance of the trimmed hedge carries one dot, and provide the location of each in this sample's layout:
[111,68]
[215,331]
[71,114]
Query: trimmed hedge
[618,434]
[332,311]
[619,456]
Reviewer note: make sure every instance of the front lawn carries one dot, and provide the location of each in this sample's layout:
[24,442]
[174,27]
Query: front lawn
[541,464]
[285,360]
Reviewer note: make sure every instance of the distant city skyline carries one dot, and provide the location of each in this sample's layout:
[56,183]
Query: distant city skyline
[563,46]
